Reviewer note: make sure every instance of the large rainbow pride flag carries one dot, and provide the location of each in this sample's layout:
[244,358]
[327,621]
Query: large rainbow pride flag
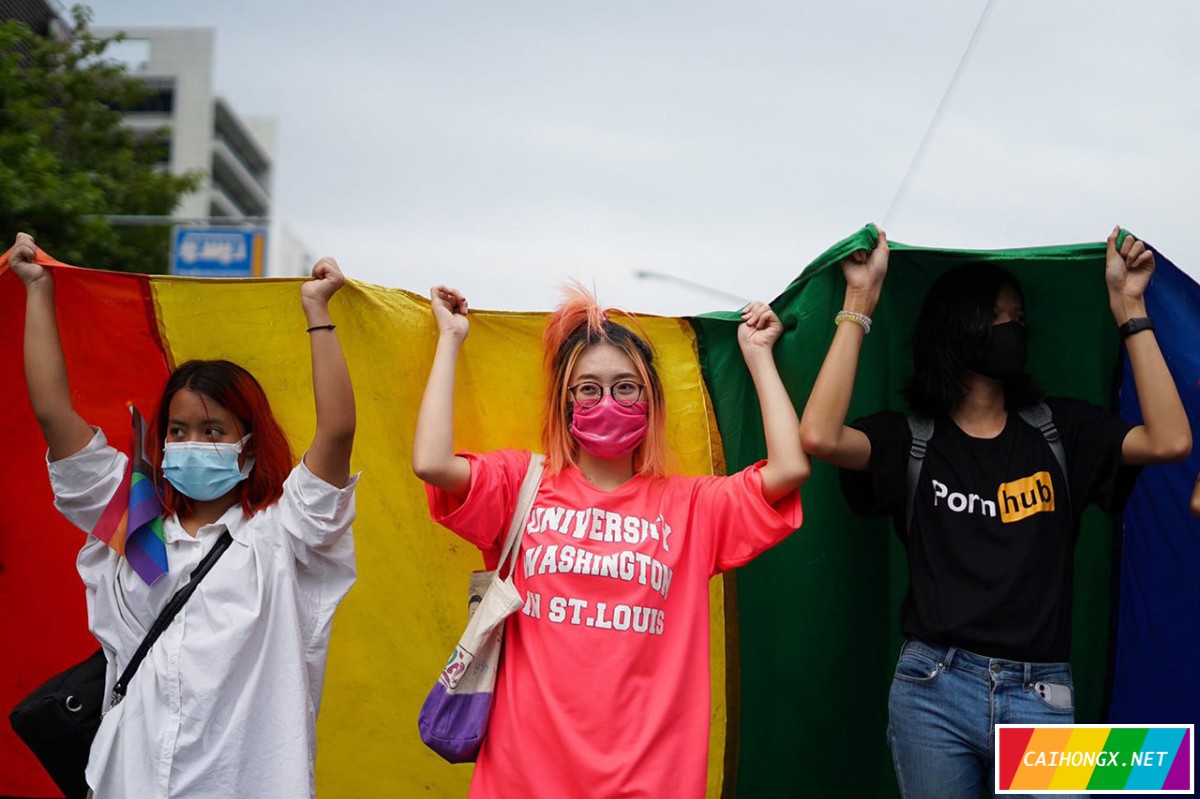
[804,638]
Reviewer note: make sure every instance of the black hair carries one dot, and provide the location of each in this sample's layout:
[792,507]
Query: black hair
[953,330]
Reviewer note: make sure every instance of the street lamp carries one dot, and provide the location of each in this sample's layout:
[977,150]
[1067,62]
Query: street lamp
[647,274]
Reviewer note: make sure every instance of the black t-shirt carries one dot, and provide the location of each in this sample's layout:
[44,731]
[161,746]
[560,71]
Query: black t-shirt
[990,552]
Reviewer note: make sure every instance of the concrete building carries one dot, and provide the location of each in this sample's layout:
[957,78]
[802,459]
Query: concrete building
[44,17]
[203,132]
[198,130]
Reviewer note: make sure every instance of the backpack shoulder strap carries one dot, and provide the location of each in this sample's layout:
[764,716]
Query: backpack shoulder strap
[1038,415]
[921,428]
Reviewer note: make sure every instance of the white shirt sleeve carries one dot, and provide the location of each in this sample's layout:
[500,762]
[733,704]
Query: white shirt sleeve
[316,516]
[84,483]
[316,519]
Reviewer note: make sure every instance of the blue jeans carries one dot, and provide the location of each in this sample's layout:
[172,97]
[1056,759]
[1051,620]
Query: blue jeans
[942,708]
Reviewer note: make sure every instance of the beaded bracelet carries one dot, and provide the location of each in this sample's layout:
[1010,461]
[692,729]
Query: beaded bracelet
[853,316]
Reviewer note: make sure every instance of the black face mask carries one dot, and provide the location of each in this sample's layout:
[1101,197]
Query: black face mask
[1004,356]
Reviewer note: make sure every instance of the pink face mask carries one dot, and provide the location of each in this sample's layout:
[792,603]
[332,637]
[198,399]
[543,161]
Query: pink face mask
[609,429]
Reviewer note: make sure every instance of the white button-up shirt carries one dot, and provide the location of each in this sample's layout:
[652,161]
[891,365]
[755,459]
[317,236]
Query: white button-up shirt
[225,703]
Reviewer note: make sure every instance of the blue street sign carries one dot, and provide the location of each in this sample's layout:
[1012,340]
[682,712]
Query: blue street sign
[218,251]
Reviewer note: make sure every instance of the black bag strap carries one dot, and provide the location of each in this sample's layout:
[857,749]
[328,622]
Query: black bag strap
[1037,415]
[921,428]
[173,606]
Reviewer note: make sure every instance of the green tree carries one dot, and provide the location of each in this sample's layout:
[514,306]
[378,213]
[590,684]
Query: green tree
[66,159]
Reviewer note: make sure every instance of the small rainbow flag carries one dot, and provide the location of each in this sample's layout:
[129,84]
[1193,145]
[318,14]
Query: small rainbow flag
[132,522]
[1096,758]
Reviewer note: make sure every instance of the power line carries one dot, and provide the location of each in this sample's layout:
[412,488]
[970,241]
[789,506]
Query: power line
[919,155]
[164,220]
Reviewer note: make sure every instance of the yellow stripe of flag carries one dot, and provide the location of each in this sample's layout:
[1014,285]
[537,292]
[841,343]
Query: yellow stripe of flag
[393,632]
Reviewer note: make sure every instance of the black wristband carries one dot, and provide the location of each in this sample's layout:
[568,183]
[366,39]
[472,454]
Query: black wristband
[320,327]
[1135,325]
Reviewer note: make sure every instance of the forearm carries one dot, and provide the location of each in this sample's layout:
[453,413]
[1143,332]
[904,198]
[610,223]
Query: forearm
[64,429]
[823,426]
[434,460]
[1167,431]
[333,394]
[787,466]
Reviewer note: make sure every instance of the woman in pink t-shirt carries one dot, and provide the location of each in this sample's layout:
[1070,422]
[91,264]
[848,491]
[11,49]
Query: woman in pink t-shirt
[603,688]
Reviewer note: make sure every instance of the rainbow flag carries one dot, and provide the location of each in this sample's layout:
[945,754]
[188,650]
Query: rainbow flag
[132,522]
[1118,758]
[123,333]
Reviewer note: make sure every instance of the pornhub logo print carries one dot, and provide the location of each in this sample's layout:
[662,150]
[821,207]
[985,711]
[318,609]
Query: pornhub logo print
[1015,500]
[1023,498]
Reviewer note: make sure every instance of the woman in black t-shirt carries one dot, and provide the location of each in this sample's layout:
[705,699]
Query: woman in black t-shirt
[990,531]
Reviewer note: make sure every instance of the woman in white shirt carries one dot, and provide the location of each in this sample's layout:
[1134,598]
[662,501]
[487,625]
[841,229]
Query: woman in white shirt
[225,703]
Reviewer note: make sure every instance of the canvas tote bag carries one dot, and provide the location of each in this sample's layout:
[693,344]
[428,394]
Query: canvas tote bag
[454,717]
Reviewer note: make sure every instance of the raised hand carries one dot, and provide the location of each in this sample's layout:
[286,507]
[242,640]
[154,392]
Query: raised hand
[449,311]
[21,260]
[434,459]
[864,272]
[327,278]
[760,327]
[1165,435]
[63,428]
[786,466]
[328,456]
[1127,268]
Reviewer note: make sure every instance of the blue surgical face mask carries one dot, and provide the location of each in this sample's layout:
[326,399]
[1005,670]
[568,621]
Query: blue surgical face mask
[204,470]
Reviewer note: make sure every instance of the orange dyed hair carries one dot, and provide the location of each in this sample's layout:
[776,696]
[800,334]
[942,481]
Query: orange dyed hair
[576,324]
[236,390]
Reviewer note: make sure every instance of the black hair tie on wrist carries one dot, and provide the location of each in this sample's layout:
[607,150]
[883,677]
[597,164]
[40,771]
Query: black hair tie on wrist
[320,327]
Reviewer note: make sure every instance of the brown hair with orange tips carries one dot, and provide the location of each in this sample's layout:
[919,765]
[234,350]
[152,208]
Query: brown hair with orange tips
[576,324]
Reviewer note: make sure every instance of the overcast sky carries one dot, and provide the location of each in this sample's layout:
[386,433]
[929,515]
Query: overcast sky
[503,147]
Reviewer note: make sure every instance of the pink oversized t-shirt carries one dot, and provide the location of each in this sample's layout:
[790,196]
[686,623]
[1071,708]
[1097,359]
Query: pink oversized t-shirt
[603,689]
